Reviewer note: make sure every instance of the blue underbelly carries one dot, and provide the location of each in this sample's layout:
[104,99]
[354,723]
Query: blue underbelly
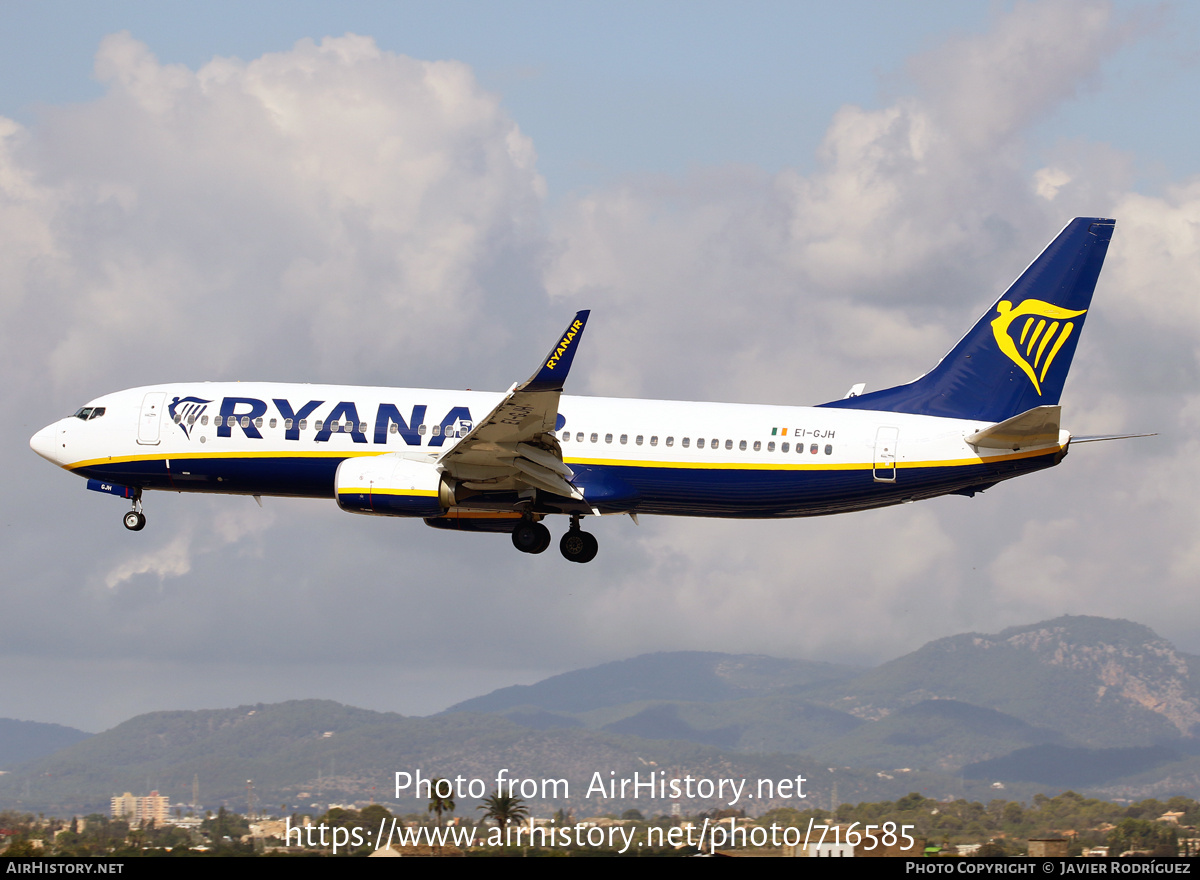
[717,492]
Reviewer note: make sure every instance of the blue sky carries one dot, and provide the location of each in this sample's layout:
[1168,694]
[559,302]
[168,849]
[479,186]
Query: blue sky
[608,89]
[805,196]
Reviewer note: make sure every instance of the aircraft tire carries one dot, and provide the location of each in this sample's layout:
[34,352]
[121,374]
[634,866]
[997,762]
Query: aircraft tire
[531,537]
[135,521]
[578,546]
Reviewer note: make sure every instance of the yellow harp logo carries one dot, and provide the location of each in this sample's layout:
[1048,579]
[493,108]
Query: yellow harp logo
[1042,334]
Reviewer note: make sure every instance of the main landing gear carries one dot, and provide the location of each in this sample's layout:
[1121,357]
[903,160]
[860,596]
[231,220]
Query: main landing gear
[135,520]
[530,536]
[576,545]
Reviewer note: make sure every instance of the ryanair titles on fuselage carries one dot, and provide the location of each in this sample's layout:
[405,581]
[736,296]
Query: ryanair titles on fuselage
[246,415]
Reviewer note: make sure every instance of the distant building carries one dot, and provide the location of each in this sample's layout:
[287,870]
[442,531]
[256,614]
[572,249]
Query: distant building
[124,807]
[269,828]
[138,810]
[1048,848]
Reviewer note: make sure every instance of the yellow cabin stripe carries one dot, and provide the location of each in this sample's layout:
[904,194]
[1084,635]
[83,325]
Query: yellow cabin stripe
[602,462]
[831,466]
[372,490]
[186,456]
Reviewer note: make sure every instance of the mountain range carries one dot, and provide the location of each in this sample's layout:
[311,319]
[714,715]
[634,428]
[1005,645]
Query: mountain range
[1102,706]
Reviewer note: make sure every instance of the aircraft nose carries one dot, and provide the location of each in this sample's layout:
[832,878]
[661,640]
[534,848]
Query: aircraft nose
[45,444]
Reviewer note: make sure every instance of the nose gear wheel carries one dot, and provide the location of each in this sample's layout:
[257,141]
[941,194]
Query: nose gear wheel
[135,520]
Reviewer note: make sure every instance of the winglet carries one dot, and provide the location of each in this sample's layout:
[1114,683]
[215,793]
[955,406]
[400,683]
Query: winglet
[553,373]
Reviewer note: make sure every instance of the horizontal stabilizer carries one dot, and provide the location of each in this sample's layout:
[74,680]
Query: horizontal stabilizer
[1035,427]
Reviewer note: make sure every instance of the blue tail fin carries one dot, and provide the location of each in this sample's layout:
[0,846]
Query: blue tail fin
[1018,355]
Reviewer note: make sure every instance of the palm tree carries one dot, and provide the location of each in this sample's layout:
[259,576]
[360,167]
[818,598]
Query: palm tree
[439,804]
[504,808]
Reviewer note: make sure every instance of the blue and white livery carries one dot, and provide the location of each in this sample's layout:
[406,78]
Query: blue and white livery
[478,461]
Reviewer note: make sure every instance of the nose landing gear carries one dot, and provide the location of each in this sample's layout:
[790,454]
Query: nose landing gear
[135,520]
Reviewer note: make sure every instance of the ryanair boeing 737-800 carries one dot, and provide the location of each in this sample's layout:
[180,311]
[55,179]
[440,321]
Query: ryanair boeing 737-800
[503,462]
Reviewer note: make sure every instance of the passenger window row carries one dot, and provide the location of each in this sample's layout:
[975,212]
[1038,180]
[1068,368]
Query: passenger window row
[686,442]
[436,430]
[346,427]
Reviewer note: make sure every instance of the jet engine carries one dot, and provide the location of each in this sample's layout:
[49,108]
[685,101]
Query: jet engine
[388,485]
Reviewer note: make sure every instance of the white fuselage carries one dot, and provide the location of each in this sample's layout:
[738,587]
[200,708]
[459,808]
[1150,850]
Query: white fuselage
[640,456]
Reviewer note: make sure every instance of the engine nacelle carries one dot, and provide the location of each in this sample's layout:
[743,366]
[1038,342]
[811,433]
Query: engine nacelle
[388,485]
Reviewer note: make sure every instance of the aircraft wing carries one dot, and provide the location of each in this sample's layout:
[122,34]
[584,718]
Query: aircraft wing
[513,447]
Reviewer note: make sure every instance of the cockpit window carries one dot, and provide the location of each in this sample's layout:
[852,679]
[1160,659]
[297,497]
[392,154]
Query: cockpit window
[97,412]
[89,412]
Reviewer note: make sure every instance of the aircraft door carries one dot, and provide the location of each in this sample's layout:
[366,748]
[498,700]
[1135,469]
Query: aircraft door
[150,419]
[885,455]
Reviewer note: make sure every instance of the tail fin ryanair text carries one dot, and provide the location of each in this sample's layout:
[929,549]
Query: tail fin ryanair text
[1017,356]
